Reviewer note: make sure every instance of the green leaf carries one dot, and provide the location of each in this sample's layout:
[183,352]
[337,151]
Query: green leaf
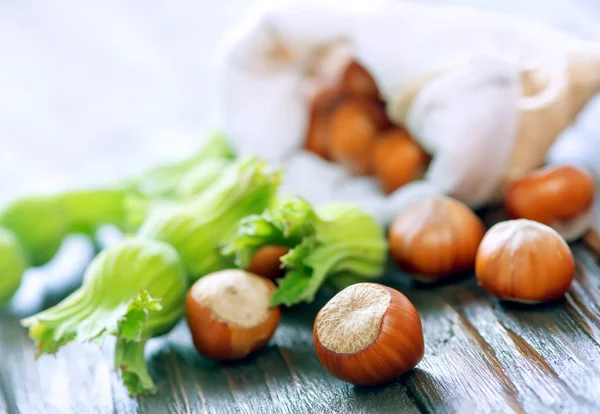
[348,245]
[287,223]
[292,287]
[311,263]
[130,362]
[134,323]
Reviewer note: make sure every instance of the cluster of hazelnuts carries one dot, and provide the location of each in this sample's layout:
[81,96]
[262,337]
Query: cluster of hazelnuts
[525,259]
[348,125]
[368,333]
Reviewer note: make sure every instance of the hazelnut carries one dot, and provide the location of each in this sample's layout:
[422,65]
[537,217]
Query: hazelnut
[229,316]
[561,197]
[368,334]
[353,127]
[435,238]
[356,81]
[317,135]
[397,160]
[266,262]
[524,261]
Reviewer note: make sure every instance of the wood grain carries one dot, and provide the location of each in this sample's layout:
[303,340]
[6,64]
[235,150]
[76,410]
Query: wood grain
[481,356]
[592,240]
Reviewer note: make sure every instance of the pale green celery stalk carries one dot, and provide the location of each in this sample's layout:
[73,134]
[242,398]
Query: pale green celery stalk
[201,177]
[198,228]
[193,184]
[162,182]
[286,223]
[347,243]
[13,263]
[134,290]
[40,224]
[138,209]
[88,209]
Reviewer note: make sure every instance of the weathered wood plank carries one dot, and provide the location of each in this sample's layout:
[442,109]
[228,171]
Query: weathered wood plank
[204,387]
[592,239]
[3,404]
[457,363]
[19,379]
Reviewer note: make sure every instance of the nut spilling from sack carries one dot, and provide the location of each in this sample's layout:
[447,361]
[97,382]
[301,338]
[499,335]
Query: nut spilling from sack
[349,126]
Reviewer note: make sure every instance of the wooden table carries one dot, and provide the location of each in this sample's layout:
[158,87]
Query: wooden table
[481,356]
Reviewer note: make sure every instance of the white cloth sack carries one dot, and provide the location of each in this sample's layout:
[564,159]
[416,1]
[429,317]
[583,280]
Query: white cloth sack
[485,94]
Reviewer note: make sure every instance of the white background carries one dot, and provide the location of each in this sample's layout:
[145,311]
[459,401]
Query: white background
[93,90]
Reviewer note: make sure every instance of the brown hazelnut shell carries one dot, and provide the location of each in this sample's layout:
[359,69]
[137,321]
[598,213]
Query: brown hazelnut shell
[397,160]
[398,348]
[266,262]
[222,340]
[353,127]
[557,196]
[435,238]
[357,81]
[524,261]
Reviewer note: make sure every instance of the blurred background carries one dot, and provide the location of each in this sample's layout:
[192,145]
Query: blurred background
[91,91]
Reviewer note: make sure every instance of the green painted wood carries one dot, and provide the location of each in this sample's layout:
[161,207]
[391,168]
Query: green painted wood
[481,356]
